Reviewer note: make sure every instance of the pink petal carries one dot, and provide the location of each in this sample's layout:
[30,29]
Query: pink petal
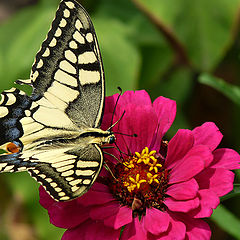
[208,134]
[183,191]
[197,229]
[140,97]
[176,230]
[121,218]
[192,164]
[103,211]
[226,158]
[63,214]
[208,201]
[134,231]
[95,198]
[69,215]
[166,111]
[113,214]
[91,230]
[110,102]
[181,206]
[219,180]
[129,97]
[156,221]
[140,120]
[99,187]
[178,146]
[45,199]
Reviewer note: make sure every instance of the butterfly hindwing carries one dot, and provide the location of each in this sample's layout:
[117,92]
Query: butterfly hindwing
[67,174]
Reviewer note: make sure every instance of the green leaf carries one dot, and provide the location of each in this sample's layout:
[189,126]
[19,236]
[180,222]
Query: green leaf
[203,27]
[22,185]
[20,38]
[227,221]
[229,90]
[234,193]
[178,86]
[120,57]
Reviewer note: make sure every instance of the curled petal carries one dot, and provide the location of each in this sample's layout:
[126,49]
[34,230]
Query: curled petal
[133,231]
[45,199]
[192,164]
[208,201]
[166,111]
[122,217]
[176,230]
[219,180]
[197,229]
[156,221]
[181,206]
[208,134]
[183,191]
[137,98]
[226,158]
[178,146]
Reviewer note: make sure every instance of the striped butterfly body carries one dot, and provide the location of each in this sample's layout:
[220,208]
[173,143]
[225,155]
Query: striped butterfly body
[55,134]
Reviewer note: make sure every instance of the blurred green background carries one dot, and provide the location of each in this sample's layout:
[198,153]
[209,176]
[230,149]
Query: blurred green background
[187,50]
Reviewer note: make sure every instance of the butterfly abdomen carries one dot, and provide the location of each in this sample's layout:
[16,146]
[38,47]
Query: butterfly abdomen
[98,136]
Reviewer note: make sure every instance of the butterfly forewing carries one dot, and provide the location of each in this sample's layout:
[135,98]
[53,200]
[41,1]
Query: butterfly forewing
[68,68]
[55,130]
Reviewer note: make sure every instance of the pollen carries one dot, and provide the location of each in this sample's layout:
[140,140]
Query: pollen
[135,183]
[149,159]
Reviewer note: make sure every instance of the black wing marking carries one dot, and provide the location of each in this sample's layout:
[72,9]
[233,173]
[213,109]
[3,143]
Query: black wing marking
[68,68]
[12,108]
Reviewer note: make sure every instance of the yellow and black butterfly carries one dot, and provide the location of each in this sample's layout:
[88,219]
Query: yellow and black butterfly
[55,134]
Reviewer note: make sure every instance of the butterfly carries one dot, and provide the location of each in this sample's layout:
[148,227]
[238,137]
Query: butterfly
[54,133]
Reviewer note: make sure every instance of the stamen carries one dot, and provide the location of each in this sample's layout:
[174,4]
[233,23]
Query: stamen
[141,176]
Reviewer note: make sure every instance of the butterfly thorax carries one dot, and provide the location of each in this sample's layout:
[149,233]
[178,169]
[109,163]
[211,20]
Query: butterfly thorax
[97,136]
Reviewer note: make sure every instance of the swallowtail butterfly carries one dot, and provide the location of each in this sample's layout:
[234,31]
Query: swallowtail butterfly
[55,134]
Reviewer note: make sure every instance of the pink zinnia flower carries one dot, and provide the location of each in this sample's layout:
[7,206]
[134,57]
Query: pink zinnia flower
[160,189]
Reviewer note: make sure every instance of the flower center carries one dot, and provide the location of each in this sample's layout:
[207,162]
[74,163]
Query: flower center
[140,180]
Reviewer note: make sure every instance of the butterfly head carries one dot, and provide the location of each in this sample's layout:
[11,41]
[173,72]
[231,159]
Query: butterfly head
[111,138]
[108,137]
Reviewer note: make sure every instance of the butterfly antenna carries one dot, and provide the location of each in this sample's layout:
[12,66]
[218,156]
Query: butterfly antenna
[128,135]
[114,110]
[112,125]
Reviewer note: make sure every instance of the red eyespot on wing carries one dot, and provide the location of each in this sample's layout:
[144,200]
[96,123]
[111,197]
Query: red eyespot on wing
[12,148]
